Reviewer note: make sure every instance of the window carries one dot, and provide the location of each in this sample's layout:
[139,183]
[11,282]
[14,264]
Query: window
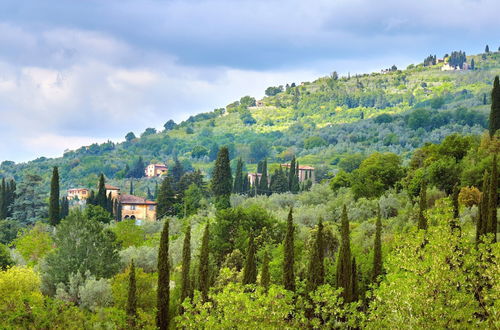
[151,207]
[132,207]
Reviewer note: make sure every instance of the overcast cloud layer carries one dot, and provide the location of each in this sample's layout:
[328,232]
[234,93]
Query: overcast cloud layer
[77,72]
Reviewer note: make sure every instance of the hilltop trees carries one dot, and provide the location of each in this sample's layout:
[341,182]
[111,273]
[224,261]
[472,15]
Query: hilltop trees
[54,207]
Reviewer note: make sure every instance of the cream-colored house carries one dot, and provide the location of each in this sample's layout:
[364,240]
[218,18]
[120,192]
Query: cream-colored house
[153,170]
[78,193]
[137,208]
[305,172]
[114,191]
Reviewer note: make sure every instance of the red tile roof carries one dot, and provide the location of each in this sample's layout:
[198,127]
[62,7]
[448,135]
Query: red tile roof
[110,187]
[301,167]
[131,199]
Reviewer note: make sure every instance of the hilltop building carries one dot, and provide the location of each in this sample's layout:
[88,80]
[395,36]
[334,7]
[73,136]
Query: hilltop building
[154,170]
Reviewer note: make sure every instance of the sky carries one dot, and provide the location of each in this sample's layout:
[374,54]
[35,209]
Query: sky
[77,72]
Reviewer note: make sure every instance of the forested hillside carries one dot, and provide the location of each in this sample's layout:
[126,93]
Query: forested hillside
[400,231]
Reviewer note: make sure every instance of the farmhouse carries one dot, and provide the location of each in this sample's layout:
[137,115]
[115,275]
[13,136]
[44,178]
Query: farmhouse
[137,208]
[305,172]
[154,170]
[78,194]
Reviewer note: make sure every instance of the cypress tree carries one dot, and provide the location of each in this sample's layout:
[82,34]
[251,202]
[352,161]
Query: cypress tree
[259,166]
[222,181]
[132,296]
[238,178]
[263,188]
[250,269]
[495,108]
[265,277]
[344,261]
[54,206]
[91,200]
[186,265]
[203,270]
[354,280]
[482,222]
[246,184]
[289,257]
[149,194]
[109,203]
[166,199]
[64,208]
[118,214]
[131,189]
[101,198]
[316,269]
[163,291]
[377,250]
[295,188]
[493,200]
[291,174]
[3,200]
[422,220]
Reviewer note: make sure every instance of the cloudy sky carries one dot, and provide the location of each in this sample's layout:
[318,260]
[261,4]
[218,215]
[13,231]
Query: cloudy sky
[83,71]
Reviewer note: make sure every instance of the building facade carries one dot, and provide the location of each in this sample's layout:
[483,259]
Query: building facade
[154,170]
[305,172]
[78,194]
[137,208]
[114,191]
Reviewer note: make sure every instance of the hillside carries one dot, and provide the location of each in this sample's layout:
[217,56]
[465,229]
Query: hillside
[321,122]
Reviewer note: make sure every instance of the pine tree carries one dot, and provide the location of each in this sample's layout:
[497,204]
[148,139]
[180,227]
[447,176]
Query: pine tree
[186,265]
[263,188]
[316,273]
[163,291]
[344,261]
[165,200]
[250,269]
[482,222]
[495,108]
[203,270]
[265,277]
[238,178]
[289,256]
[132,297]
[422,220]
[222,181]
[493,200]
[377,250]
[101,199]
[54,207]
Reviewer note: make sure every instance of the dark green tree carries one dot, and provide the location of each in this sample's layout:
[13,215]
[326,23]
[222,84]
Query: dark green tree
[250,269]
[131,189]
[316,269]
[165,200]
[495,108]
[493,200]
[422,206]
[354,280]
[377,250]
[482,222]
[3,200]
[222,180]
[203,270]
[186,265]
[265,278]
[263,188]
[487,49]
[238,178]
[54,207]
[132,297]
[291,173]
[289,255]
[279,183]
[344,276]
[101,198]
[5,258]
[64,208]
[163,291]
[176,173]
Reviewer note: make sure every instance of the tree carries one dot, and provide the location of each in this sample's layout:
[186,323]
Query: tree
[203,268]
[54,207]
[472,64]
[130,136]
[377,250]
[259,149]
[131,187]
[495,108]
[64,208]
[316,269]
[170,125]
[482,222]
[487,49]
[263,187]
[5,258]
[192,199]
[34,244]
[250,269]
[83,245]
[422,206]
[186,265]
[132,297]
[163,293]
[148,131]
[101,198]
[165,200]
[344,276]
[176,173]
[289,255]
[137,169]
[279,182]
[222,180]
[271,91]
[265,277]
[28,206]
[493,200]
[238,178]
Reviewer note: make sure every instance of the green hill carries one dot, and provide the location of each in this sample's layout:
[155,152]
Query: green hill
[321,122]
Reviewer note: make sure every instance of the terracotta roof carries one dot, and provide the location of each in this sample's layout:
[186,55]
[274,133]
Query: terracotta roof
[131,199]
[158,165]
[110,187]
[304,167]
[74,189]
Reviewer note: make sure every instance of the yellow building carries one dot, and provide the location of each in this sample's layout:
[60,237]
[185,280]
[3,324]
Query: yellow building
[137,208]
[78,193]
[153,170]
[114,191]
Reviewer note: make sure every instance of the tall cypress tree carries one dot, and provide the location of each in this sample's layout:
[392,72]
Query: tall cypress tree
[354,280]
[482,222]
[289,255]
[222,181]
[109,203]
[3,200]
[238,177]
[422,206]
[495,108]
[316,269]
[263,188]
[265,277]
[64,208]
[246,184]
[291,173]
[295,187]
[377,250]
[493,200]
[131,189]
[186,265]
[54,207]
[203,270]
[344,260]
[132,297]
[166,199]
[250,269]
[101,198]
[163,291]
